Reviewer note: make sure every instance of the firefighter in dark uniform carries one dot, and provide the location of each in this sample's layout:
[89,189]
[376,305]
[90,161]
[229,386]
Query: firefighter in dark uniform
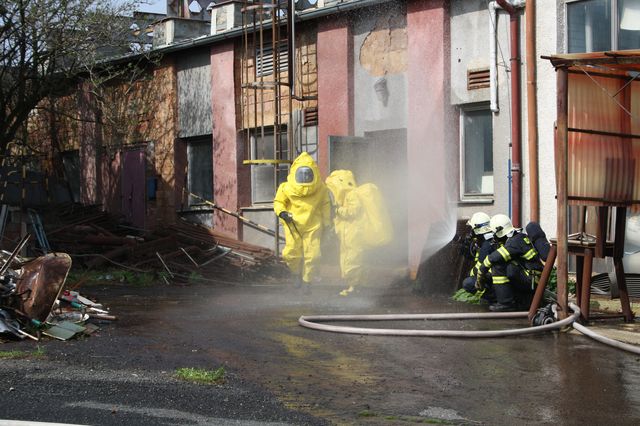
[515,267]
[480,245]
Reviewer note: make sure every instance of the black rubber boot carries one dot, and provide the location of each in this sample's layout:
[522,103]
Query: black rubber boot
[499,307]
[504,298]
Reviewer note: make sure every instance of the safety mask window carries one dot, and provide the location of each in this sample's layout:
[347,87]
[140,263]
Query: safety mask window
[304,175]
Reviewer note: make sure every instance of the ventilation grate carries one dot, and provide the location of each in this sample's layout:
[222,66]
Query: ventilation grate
[477,79]
[310,117]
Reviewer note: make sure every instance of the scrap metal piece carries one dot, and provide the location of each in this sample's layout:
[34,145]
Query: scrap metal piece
[41,283]
[8,325]
[14,253]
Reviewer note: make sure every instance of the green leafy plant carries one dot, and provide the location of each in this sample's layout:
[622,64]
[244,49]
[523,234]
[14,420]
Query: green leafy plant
[552,285]
[463,295]
[199,375]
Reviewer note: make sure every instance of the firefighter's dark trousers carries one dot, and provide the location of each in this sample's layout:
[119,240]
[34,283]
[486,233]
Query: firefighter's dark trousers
[519,286]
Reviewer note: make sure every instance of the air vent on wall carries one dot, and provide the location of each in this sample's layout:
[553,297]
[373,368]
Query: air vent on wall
[310,116]
[478,78]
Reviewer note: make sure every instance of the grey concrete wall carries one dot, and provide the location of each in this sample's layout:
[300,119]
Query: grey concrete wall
[548,41]
[470,23]
[379,36]
[469,48]
[194,93]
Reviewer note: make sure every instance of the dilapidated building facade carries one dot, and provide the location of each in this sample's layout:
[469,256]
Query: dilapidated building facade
[413,95]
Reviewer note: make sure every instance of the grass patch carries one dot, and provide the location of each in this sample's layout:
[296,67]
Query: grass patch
[367,413]
[38,353]
[200,375]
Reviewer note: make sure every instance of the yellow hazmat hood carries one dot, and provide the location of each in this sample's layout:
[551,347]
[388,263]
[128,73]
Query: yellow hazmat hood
[302,189]
[340,183]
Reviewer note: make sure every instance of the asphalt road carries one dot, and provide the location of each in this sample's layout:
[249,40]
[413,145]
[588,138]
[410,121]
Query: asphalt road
[280,373]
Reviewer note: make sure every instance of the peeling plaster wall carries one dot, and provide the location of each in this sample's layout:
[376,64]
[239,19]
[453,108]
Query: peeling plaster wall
[335,84]
[232,187]
[431,214]
[380,67]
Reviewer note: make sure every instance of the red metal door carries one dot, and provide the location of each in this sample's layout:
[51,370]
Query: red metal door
[133,187]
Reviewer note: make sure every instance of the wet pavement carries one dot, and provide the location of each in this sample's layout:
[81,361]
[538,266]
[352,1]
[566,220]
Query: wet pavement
[281,373]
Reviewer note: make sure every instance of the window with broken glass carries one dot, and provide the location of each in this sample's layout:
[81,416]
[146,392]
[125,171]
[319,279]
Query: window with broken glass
[476,146]
[266,177]
[601,25]
[200,170]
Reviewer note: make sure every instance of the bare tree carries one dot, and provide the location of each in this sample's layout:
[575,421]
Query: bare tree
[50,46]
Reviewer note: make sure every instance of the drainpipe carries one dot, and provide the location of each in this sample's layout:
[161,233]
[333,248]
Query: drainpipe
[532,111]
[516,142]
[493,72]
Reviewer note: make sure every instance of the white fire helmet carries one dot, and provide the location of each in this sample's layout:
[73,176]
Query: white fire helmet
[501,226]
[480,223]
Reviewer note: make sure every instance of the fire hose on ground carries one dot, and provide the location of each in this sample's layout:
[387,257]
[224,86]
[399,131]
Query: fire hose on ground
[313,322]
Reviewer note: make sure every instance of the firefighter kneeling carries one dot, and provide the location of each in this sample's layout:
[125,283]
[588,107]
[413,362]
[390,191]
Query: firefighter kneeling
[515,267]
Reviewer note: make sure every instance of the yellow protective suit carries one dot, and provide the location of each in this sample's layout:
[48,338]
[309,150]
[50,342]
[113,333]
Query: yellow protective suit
[350,225]
[309,204]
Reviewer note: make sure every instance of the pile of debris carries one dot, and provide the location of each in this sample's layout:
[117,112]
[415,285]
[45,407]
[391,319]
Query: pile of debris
[33,301]
[33,297]
[94,239]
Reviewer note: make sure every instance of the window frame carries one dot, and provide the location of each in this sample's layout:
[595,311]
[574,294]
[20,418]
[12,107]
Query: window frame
[473,197]
[283,169]
[615,24]
[190,142]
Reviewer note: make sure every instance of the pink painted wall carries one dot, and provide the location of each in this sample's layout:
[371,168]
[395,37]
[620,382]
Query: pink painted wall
[428,136]
[231,185]
[335,84]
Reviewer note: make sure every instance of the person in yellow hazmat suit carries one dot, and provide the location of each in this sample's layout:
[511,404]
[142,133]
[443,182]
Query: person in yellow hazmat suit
[361,223]
[349,226]
[302,203]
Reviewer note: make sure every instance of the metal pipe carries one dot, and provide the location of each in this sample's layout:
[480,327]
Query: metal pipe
[516,142]
[532,111]
[493,73]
